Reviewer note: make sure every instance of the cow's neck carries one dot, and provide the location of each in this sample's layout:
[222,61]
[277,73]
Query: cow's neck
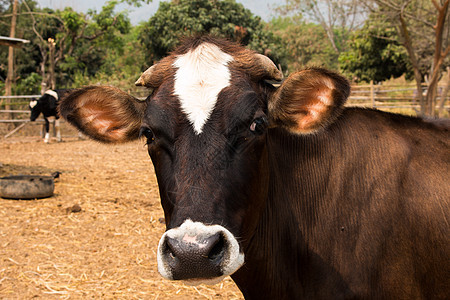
[280,255]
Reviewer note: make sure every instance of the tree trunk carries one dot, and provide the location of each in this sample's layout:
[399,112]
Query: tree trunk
[444,95]
[52,79]
[438,58]
[407,43]
[10,74]
[43,81]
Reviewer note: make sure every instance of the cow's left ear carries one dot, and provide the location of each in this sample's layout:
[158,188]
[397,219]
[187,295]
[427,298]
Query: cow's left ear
[103,113]
[308,100]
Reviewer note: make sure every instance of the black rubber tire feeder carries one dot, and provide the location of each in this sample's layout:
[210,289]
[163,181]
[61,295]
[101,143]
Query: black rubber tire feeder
[26,187]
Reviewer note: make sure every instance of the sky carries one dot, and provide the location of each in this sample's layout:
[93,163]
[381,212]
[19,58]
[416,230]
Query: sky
[262,8]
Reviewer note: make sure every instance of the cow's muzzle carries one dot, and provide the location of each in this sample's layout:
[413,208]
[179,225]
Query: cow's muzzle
[198,253]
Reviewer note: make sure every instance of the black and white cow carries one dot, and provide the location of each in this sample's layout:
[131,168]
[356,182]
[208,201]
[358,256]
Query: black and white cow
[47,104]
[285,189]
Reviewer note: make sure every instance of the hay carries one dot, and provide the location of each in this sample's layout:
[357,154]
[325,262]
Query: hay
[97,236]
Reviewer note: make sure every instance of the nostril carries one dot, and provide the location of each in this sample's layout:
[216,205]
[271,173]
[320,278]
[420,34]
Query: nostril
[218,249]
[169,247]
[171,254]
[190,250]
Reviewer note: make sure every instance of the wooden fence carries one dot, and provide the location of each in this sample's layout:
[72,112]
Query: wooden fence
[391,97]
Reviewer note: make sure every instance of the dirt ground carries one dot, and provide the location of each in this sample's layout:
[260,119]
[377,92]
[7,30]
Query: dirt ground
[105,251]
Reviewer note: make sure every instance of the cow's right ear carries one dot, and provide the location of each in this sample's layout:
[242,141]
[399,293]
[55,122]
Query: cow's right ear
[308,100]
[103,113]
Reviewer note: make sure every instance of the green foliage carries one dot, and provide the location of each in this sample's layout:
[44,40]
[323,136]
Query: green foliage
[31,85]
[107,19]
[374,54]
[124,64]
[336,17]
[73,21]
[27,57]
[83,41]
[306,44]
[220,18]
[81,78]
[121,66]
[103,47]
[136,3]
[87,39]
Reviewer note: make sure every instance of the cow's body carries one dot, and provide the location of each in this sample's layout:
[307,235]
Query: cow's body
[287,191]
[47,104]
[358,211]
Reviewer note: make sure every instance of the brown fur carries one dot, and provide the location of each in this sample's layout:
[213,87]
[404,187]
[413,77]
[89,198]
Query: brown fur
[357,210]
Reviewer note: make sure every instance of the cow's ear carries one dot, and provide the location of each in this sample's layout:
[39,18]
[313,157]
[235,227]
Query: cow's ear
[103,113]
[308,100]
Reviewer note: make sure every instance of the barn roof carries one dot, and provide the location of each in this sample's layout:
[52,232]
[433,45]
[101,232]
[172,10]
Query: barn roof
[13,42]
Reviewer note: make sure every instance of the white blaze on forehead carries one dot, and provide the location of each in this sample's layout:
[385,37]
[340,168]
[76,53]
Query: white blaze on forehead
[33,103]
[202,73]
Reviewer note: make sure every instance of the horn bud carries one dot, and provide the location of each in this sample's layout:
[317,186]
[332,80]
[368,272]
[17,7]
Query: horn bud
[145,79]
[257,65]
[155,75]
[269,68]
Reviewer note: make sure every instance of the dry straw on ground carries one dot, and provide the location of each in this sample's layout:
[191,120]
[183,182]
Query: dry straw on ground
[50,249]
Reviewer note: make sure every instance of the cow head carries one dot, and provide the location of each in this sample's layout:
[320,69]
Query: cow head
[206,123]
[35,109]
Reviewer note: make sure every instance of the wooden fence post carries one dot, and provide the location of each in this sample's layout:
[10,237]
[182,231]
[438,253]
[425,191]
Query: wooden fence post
[372,94]
[10,74]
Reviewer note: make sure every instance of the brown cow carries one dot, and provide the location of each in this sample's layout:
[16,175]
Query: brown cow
[285,189]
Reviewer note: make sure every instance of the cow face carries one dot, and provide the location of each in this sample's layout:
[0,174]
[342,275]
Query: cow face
[206,123]
[35,110]
[205,132]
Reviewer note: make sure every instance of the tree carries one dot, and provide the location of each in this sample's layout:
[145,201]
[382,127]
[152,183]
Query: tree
[86,48]
[374,53]
[305,43]
[334,16]
[221,18]
[83,39]
[79,41]
[28,57]
[122,65]
[424,31]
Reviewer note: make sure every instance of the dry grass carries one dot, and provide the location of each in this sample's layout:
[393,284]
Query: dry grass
[108,250]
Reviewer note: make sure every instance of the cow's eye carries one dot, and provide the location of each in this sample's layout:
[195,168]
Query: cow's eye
[259,125]
[148,133]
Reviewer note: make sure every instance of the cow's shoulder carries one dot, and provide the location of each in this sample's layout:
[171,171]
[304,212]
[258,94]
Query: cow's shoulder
[373,143]
[407,151]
